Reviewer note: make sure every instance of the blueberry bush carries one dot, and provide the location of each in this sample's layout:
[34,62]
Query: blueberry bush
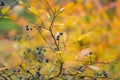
[59,40]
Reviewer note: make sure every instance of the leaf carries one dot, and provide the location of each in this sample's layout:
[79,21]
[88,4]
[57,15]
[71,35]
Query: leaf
[33,10]
[6,17]
[68,6]
[83,40]
[4,10]
[94,67]
[61,10]
[20,2]
[84,36]
[49,17]
[60,55]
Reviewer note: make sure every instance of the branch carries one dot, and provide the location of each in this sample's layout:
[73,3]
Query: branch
[60,71]
[49,6]
[44,38]
[51,32]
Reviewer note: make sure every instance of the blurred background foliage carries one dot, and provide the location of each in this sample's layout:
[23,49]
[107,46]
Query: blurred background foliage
[86,24]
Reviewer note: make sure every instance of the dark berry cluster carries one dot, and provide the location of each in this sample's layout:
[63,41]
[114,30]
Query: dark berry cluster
[81,69]
[16,70]
[105,74]
[28,28]
[37,74]
[58,36]
[38,50]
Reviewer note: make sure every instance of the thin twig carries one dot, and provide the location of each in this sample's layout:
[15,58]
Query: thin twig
[95,62]
[90,59]
[49,6]
[44,38]
[60,71]
[36,25]
[51,32]
[41,21]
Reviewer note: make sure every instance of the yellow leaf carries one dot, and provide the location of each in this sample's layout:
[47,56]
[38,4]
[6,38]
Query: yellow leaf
[20,2]
[84,36]
[4,10]
[33,10]
[83,40]
[94,67]
[68,6]
[6,17]
[60,55]
[80,1]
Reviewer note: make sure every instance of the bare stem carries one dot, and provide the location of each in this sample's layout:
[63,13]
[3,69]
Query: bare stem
[90,59]
[60,71]
[51,31]
[44,39]
[49,6]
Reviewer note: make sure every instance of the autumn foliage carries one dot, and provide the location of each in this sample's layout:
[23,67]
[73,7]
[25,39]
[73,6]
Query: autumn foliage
[60,40]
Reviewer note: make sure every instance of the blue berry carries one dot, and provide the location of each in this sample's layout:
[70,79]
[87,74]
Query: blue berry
[80,67]
[82,77]
[60,33]
[38,48]
[82,70]
[105,74]
[38,74]
[90,53]
[27,28]
[28,50]
[30,28]
[38,68]
[6,69]
[20,77]
[14,70]
[55,49]
[57,37]
[27,71]
[104,71]
[46,60]
[44,50]
[18,70]
[38,51]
